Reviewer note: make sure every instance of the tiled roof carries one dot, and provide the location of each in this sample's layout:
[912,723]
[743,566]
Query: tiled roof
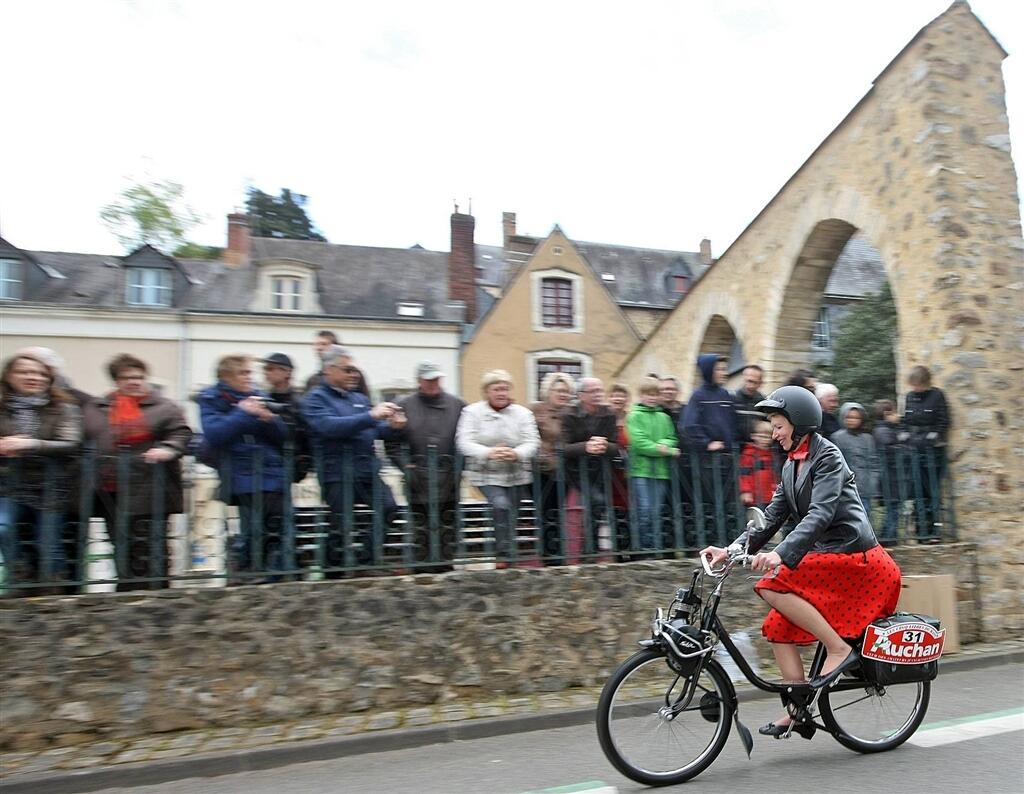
[364,281]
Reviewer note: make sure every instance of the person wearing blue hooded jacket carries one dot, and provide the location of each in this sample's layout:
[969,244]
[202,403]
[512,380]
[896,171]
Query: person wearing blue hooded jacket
[247,440]
[344,427]
[709,425]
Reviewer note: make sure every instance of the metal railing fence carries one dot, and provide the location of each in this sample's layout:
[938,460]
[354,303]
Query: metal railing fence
[92,523]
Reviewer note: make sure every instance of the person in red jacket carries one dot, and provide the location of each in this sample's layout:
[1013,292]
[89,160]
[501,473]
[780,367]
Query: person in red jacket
[757,469]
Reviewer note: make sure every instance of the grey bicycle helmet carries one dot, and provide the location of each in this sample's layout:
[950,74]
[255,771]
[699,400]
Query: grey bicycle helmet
[798,405]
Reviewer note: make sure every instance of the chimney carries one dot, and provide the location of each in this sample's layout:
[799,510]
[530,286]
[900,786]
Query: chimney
[705,251]
[239,240]
[462,264]
[508,227]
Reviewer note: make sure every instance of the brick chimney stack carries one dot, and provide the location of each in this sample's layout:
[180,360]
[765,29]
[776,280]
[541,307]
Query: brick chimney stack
[239,240]
[508,227]
[462,263]
[705,251]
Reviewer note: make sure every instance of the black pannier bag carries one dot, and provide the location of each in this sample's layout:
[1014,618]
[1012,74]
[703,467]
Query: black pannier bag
[902,649]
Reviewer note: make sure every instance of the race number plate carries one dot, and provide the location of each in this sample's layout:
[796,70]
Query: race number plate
[904,643]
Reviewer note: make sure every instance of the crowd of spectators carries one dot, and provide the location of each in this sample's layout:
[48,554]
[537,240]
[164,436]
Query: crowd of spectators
[607,477]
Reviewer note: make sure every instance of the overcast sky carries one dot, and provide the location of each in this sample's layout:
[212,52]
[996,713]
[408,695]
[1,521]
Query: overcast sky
[639,123]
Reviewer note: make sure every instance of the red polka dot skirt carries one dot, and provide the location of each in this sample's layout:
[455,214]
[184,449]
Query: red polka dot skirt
[849,590]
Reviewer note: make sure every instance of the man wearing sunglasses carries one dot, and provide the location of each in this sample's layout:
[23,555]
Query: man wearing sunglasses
[344,427]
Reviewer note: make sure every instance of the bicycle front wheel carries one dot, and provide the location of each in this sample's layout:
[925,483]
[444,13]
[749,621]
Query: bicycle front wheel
[872,719]
[659,728]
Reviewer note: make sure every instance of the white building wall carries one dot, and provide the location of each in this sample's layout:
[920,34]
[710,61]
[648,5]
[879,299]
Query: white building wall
[182,349]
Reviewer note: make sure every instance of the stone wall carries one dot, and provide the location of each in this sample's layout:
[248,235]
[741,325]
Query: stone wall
[88,667]
[922,168]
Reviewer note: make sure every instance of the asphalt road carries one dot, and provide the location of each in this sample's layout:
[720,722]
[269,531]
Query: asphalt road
[969,756]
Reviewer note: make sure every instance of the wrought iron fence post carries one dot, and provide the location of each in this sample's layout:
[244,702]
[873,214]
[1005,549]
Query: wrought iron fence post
[256,561]
[677,507]
[86,488]
[560,491]
[696,474]
[121,519]
[157,530]
[610,516]
[460,535]
[287,542]
[586,503]
[539,519]
[433,502]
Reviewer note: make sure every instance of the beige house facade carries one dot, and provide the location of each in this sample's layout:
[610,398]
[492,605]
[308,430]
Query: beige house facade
[555,314]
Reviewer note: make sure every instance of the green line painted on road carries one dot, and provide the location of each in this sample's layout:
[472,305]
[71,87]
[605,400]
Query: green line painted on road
[988,715]
[969,729]
[590,787]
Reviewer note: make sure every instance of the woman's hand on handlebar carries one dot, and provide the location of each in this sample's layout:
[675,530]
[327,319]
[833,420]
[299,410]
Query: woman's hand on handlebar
[715,555]
[765,561]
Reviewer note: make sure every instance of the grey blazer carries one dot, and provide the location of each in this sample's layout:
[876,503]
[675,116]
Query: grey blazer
[825,504]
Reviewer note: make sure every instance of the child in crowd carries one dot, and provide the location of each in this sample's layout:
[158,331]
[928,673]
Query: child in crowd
[757,467]
[652,440]
[889,436]
[858,447]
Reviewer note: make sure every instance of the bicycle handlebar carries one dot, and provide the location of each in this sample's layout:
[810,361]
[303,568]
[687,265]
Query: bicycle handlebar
[733,559]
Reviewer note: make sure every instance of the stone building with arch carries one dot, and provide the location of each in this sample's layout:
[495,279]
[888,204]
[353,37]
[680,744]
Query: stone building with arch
[921,167]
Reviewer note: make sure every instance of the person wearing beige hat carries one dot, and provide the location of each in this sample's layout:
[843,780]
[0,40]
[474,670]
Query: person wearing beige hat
[499,439]
[425,450]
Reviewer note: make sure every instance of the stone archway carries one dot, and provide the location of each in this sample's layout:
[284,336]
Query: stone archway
[922,167]
[719,336]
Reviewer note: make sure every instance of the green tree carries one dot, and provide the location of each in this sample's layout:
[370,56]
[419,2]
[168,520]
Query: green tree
[197,251]
[864,363]
[281,216]
[152,212]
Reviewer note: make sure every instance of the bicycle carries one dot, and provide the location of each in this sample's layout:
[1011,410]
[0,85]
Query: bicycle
[668,740]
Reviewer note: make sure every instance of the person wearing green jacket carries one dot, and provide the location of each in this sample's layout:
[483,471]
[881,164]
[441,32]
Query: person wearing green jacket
[652,440]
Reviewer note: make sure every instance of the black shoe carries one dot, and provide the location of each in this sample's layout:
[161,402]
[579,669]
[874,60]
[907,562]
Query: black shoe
[778,731]
[851,661]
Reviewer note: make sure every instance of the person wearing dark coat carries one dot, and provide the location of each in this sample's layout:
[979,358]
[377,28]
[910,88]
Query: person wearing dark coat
[744,400]
[591,444]
[344,427]
[72,518]
[247,439]
[40,434]
[710,429]
[829,578]
[140,438]
[286,401]
[926,419]
[425,450]
[890,436]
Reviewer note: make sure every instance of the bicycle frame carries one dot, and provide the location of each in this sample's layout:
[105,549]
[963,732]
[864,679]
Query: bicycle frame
[712,623]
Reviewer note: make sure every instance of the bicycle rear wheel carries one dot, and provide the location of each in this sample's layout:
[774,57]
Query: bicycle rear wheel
[872,719]
[650,732]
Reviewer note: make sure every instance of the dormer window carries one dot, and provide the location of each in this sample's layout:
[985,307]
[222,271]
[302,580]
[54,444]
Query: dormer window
[149,286]
[680,284]
[286,293]
[10,279]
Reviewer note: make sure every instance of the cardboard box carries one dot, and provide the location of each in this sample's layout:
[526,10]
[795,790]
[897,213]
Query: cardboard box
[935,596]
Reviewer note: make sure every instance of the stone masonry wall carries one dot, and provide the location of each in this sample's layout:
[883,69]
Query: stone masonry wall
[81,668]
[922,168]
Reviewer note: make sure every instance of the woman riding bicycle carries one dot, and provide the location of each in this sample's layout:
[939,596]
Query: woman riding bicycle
[829,578]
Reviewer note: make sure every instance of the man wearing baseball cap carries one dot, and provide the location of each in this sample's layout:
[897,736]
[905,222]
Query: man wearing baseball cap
[425,450]
[284,400]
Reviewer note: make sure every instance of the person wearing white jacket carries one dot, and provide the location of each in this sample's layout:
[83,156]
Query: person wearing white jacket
[499,439]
